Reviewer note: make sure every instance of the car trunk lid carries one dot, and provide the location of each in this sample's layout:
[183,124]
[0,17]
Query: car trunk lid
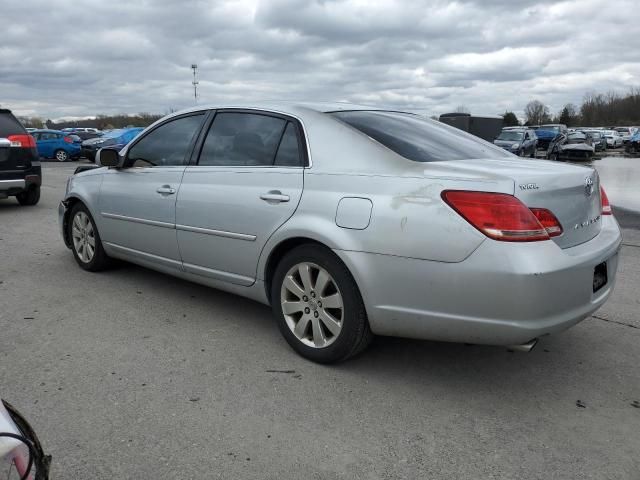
[570,192]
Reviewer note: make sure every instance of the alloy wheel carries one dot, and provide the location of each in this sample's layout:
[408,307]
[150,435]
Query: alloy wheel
[312,305]
[61,156]
[83,235]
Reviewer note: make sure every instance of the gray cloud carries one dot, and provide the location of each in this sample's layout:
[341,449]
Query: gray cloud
[83,58]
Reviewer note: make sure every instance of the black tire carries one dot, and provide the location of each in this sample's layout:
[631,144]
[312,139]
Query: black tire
[553,156]
[355,334]
[29,197]
[61,155]
[100,260]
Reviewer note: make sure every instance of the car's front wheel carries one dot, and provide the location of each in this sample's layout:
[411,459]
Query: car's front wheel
[85,240]
[318,306]
[61,155]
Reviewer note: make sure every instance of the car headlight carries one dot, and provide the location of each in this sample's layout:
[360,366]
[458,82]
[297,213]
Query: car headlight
[515,145]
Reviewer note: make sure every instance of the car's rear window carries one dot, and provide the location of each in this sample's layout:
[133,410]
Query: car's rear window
[417,138]
[9,125]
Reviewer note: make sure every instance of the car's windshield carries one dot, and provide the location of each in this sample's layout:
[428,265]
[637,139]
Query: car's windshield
[577,136]
[417,138]
[551,128]
[510,136]
[115,133]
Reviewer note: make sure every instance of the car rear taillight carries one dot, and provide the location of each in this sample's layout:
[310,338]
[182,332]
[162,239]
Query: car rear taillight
[498,215]
[604,201]
[22,141]
[68,139]
[548,220]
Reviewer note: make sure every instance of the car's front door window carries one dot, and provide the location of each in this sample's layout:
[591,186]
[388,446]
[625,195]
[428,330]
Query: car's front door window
[166,145]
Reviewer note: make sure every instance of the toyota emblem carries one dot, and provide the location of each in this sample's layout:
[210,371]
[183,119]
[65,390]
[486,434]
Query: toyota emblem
[588,186]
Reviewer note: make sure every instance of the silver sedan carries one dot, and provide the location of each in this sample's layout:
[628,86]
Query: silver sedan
[352,221]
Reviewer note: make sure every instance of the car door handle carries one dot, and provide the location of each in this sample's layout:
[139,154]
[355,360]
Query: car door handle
[274,196]
[166,190]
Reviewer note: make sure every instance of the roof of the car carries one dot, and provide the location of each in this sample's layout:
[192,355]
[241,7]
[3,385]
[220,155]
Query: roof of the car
[47,130]
[288,107]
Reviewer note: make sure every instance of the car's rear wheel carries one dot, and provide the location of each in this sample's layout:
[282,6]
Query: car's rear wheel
[61,155]
[29,197]
[85,240]
[318,306]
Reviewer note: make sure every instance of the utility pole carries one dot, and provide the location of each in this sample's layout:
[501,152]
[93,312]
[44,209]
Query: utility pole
[195,82]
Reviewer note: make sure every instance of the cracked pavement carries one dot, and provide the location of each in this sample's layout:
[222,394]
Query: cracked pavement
[134,374]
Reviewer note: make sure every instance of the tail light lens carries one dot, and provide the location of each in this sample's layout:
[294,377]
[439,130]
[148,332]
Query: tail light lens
[22,141]
[604,201]
[498,215]
[548,220]
[68,139]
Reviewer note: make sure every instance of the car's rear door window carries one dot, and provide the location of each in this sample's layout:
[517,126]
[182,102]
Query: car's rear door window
[417,138]
[289,152]
[242,139]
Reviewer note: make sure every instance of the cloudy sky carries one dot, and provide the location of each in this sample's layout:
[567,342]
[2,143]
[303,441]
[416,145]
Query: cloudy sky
[83,57]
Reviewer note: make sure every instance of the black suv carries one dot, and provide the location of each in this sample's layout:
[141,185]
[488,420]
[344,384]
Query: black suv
[20,173]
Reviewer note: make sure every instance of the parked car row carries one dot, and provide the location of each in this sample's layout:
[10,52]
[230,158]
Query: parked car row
[73,143]
[113,138]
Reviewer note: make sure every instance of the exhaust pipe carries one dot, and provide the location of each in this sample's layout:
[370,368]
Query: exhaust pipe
[525,347]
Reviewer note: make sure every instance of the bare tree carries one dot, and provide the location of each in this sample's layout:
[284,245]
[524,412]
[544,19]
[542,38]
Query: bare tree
[462,109]
[536,113]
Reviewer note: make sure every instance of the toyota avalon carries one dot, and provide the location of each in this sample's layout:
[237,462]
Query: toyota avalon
[351,221]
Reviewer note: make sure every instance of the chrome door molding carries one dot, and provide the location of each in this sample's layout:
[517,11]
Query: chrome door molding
[186,228]
[149,257]
[143,221]
[218,274]
[217,233]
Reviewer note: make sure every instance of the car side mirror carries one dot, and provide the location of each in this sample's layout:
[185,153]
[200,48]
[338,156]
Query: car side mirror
[109,157]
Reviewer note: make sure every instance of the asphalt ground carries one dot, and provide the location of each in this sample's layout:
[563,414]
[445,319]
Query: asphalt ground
[133,374]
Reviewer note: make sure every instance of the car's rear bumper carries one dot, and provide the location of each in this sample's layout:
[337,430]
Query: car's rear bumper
[12,183]
[18,183]
[502,294]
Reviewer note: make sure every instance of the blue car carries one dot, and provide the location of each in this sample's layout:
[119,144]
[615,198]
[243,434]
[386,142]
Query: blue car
[547,133]
[634,143]
[121,136]
[56,144]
